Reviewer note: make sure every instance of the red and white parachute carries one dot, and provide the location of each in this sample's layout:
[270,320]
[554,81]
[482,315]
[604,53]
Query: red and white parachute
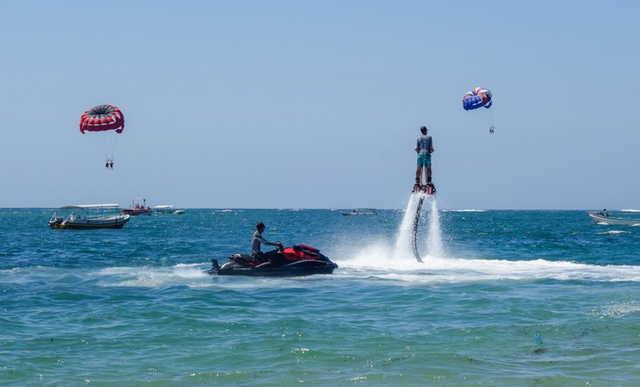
[102,118]
[102,125]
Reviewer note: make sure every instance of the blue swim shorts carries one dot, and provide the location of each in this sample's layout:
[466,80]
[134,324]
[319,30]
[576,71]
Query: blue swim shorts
[424,160]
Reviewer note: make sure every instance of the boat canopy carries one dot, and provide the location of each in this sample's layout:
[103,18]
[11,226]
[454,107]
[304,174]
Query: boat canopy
[164,206]
[80,206]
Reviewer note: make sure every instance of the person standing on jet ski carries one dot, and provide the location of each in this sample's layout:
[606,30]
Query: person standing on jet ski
[257,240]
[424,149]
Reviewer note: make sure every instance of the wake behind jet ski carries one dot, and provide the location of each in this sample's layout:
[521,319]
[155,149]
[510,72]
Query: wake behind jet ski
[297,260]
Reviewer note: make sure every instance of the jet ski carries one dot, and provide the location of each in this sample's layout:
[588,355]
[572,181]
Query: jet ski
[296,260]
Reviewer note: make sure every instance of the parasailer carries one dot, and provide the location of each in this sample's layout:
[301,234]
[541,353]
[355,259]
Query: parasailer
[103,124]
[478,98]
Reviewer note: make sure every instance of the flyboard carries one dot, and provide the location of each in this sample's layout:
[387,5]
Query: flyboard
[423,192]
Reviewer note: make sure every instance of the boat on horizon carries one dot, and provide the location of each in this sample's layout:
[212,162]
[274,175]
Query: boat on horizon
[138,207]
[167,209]
[602,219]
[89,216]
[359,211]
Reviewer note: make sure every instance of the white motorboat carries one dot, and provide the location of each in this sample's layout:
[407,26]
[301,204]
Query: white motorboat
[611,221]
[168,209]
[360,211]
[89,216]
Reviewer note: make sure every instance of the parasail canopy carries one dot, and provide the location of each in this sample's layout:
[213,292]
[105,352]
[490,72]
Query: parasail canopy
[477,98]
[102,118]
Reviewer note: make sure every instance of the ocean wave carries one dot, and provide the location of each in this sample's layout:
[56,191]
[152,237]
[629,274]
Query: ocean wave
[630,210]
[465,210]
[376,262]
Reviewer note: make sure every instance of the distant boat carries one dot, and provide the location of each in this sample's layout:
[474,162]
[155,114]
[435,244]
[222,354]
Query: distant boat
[89,216]
[138,207]
[360,211]
[167,209]
[607,220]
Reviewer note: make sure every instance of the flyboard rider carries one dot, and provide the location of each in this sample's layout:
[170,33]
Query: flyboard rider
[424,149]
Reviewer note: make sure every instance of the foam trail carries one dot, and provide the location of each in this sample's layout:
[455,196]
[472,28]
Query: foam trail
[434,238]
[456,270]
[403,238]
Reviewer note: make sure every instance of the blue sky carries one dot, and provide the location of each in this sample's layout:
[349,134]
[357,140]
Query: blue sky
[292,104]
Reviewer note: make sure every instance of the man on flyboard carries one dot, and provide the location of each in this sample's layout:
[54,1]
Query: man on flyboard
[424,149]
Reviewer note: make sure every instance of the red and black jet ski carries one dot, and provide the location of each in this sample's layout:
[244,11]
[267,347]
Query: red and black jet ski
[296,260]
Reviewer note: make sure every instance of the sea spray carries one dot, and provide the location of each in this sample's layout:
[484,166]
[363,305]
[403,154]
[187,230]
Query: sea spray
[403,238]
[434,237]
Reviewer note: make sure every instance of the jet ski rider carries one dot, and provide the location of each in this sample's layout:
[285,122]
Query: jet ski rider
[257,240]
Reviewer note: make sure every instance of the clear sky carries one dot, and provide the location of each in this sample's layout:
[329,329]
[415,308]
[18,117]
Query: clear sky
[300,104]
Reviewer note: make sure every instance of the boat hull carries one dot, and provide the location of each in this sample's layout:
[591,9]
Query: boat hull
[91,224]
[176,212]
[603,220]
[290,271]
[137,211]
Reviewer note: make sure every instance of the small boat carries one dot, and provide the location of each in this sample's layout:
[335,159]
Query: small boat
[138,207]
[600,218]
[360,211]
[167,209]
[89,216]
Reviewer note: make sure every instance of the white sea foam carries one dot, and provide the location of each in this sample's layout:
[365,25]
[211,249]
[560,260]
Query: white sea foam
[630,210]
[375,262]
[144,276]
[613,232]
[617,309]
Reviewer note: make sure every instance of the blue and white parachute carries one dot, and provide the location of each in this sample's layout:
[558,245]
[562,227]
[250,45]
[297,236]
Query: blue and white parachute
[477,98]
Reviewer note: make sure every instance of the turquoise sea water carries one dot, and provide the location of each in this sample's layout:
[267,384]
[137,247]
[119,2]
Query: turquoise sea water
[133,307]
